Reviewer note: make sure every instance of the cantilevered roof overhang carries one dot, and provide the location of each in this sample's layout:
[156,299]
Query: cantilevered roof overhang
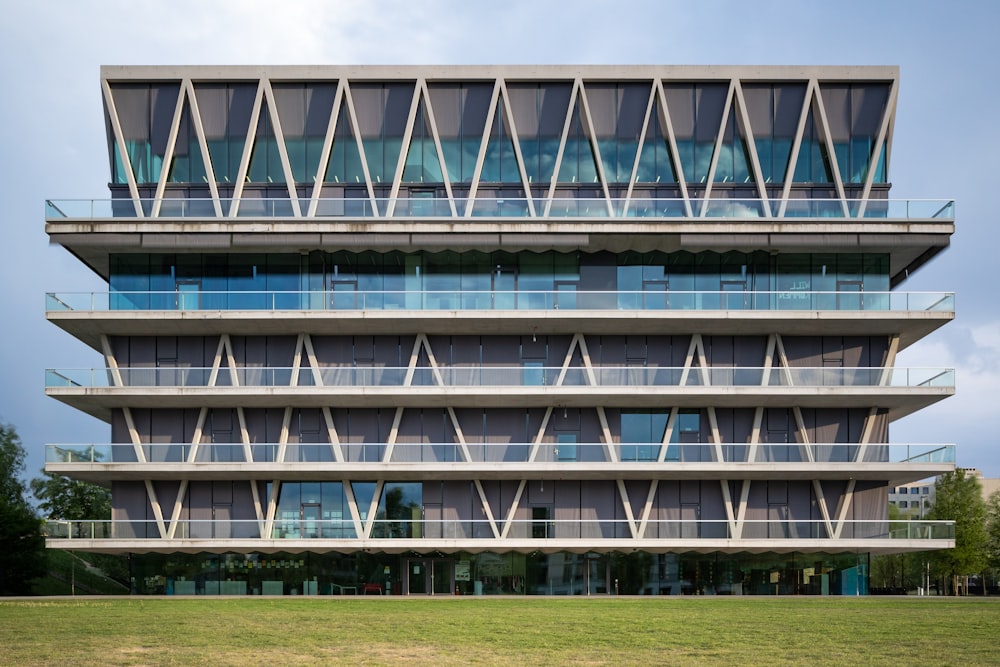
[503,545]
[909,242]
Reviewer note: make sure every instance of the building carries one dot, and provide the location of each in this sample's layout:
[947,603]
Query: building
[541,330]
[915,498]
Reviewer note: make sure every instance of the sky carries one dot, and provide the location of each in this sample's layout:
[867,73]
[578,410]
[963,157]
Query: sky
[53,146]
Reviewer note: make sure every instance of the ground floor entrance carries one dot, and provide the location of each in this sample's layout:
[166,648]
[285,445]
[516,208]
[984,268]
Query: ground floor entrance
[487,573]
[430,576]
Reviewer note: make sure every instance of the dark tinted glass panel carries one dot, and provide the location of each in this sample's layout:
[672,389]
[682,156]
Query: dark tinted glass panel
[382,111]
[539,112]
[304,114]
[422,164]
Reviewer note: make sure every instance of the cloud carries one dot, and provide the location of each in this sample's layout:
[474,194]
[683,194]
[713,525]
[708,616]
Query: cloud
[971,418]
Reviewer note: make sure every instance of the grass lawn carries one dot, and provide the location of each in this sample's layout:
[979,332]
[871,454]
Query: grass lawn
[542,631]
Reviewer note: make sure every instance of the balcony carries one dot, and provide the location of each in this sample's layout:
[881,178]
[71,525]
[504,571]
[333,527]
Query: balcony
[912,231]
[470,453]
[496,377]
[497,300]
[911,315]
[622,210]
[400,535]
[404,461]
[901,390]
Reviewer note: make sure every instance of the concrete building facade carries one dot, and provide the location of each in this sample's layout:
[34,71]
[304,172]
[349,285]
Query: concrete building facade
[541,330]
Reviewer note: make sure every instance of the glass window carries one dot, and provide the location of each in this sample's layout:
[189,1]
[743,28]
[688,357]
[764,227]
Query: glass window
[643,430]
[617,112]
[422,164]
[812,164]
[344,165]
[460,112]
[656,164]
[145,114]
[382,111]
[225,116]
[363,494]
[774,111]
[400,510]
[696,114]
[304,113]
[733,165]
[539,113]
[541,525]
[500,162]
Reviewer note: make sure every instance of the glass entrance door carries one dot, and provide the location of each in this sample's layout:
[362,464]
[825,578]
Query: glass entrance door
[418,577]
[430,576]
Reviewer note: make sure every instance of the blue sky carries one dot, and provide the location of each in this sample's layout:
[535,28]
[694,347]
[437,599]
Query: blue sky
[52,142]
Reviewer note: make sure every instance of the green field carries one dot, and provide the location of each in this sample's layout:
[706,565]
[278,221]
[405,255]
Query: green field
[535,631]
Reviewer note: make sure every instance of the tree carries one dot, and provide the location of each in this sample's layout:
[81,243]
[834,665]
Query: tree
[993,531]
[71,499]
[959,498]
[22,545]
[75,500]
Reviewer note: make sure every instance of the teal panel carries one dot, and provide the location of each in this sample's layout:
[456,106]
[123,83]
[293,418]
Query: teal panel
[422,164]
[656,163]
[344,165]
[265,159]
[500,162]
[579,164]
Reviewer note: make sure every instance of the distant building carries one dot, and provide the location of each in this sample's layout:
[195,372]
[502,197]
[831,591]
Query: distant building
[915,498]
[540,330]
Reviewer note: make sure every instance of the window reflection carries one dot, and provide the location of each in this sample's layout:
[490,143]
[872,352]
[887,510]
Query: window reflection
[501,281]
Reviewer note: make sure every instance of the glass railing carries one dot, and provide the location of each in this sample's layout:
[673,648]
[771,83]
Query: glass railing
[494,452]
[500,376]
[499,207]
[432,529]
[502,300]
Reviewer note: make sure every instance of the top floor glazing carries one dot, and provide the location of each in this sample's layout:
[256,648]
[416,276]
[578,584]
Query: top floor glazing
[774,135]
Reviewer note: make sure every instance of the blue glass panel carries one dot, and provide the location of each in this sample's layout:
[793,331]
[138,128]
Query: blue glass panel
[641,434]
[382,112]
[539,112]
[265,159]
[617,112]
[566,449]
[500,163]
[145,114]
[422,164]
[733,165]
[579,164]
[460,113]
[344,165]
[304,115]
[812,165]
[225,116]
[656,163]
[187,164]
